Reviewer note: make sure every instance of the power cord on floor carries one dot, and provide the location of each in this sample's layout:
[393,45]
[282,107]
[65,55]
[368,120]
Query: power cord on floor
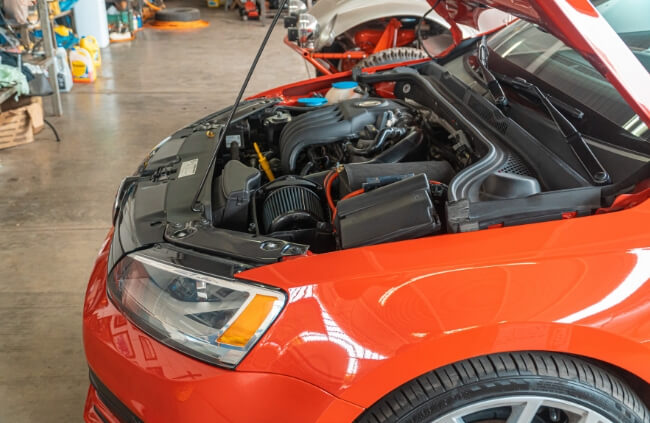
[56,134]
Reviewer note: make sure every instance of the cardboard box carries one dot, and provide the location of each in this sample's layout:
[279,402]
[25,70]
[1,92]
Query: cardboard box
[18,126]
[35,110]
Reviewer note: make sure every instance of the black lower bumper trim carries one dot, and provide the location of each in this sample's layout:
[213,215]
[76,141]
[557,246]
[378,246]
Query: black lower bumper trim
[117,407]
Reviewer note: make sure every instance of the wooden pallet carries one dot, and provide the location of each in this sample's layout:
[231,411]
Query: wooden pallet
[17,126]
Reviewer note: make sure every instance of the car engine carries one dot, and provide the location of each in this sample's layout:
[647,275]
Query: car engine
[413,155]
[359,172]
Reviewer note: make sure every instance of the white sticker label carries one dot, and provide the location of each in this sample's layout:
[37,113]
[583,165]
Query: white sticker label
[188,168]
[233,139]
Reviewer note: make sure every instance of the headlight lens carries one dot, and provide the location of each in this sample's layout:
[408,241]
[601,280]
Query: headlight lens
[308,30]
[211,318]
[296,7]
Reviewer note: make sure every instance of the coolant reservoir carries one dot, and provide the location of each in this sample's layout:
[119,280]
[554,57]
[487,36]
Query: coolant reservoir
[340,91]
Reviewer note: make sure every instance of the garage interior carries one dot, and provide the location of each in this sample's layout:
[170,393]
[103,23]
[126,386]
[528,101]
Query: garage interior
[56,197]
[451,224]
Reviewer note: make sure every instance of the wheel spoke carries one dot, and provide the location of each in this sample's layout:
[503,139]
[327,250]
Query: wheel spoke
[451,419]
[523,409]
[525,413]
[590,417]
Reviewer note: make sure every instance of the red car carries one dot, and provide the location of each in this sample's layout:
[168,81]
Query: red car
[465,240]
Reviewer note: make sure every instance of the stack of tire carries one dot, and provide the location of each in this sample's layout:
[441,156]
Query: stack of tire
[179,17]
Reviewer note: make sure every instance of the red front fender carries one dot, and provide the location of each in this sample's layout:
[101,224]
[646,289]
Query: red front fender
[507,337]
[361,322]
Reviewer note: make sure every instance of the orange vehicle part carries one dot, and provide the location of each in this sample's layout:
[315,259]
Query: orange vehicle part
[385,89]
[369,41]
[374,40]
[361,322]
[315,58]
[389,37]
[162,385]
[358,323]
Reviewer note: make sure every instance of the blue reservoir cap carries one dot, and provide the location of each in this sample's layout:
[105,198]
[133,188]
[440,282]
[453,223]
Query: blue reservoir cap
[312,101]
[345,85]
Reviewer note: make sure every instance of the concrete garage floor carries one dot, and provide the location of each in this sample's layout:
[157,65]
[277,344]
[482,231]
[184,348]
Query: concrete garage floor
[56,198]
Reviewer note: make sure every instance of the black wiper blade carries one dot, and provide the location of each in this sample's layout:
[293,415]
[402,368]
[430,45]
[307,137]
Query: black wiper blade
[573,137]
[526,87]
[493,85]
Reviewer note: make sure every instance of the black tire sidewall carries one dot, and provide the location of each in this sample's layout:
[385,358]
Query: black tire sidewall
[178,14]
[550,387]
[399,54]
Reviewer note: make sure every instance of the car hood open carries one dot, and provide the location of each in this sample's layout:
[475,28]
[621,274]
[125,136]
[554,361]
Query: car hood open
[579,25]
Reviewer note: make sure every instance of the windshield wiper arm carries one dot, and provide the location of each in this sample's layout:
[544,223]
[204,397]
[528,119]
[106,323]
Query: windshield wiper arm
[493,85]
[570,133]
[526,87]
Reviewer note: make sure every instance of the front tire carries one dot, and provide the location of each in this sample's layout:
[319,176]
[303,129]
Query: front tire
[521,387]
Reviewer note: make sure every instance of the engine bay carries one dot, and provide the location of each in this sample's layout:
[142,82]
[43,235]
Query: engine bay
[360,172]
[414,154]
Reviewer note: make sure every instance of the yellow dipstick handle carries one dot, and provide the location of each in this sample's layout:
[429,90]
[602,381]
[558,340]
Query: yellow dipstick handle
[264,163]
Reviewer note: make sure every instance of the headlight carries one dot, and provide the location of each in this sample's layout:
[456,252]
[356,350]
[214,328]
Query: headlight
[211,318]
[296,7]
[307,30]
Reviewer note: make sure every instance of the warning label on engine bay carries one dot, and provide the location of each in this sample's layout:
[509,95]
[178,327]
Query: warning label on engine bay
[188,168]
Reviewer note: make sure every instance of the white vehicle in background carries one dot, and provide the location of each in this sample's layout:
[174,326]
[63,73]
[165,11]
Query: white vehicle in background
[337,35]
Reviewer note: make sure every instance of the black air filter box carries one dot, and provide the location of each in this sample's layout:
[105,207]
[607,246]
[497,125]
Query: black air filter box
[232,194]
[402,210]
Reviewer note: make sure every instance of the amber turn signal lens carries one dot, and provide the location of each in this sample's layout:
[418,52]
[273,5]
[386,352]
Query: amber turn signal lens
[248,322]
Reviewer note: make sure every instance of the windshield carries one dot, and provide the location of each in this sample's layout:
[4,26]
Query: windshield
[550,60]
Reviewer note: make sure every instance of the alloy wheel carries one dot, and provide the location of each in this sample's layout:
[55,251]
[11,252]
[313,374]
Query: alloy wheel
[524,409]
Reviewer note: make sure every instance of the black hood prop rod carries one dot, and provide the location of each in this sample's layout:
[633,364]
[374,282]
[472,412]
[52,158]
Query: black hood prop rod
[196,205]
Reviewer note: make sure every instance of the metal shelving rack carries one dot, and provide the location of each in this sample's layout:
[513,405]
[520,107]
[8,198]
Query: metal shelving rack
[46,62]
[49,46]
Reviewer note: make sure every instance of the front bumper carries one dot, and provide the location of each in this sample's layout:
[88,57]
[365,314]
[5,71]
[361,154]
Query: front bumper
[135,378]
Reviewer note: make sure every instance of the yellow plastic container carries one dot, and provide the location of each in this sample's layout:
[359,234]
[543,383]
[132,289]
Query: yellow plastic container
[63,31]
[55,7]
[82,66]
[89,43]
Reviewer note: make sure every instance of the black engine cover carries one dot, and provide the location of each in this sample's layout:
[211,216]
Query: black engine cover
[331,124]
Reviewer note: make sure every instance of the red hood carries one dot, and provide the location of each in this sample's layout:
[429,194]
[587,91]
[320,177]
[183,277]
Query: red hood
[579,25]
